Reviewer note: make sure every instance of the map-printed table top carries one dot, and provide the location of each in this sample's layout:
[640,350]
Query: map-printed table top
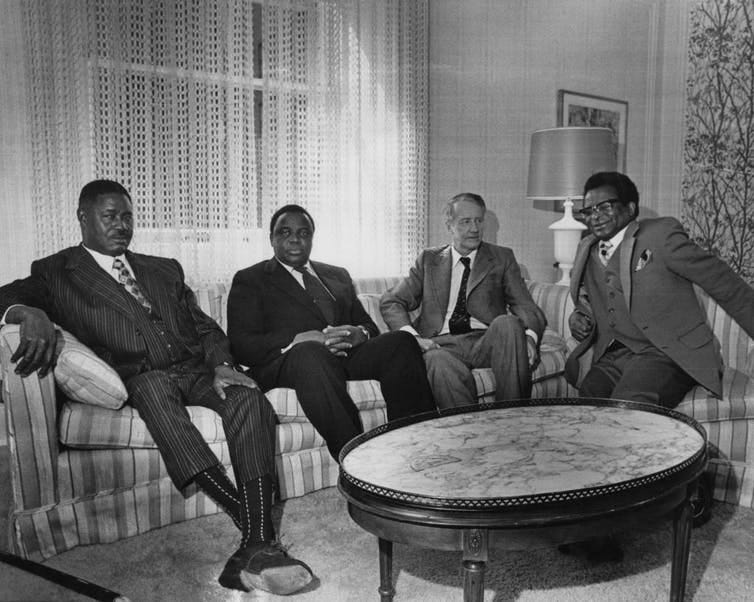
[520,451]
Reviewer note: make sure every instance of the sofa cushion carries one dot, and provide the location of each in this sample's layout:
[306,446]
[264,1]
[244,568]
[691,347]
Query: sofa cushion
[371,303]
[366,394]
[737,402]
[84,377]
[92,427]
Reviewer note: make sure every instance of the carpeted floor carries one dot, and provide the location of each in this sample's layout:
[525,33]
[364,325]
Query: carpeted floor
[182,562]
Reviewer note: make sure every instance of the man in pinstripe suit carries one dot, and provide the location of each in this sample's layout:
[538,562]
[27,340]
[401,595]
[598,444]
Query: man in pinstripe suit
[136,312]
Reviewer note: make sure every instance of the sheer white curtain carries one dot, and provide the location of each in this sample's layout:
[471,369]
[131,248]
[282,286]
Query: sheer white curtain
[346,126]
[215,113]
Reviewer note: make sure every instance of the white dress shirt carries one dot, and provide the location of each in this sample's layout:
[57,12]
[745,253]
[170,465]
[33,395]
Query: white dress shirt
[456,275]
[106,262]
[615,241]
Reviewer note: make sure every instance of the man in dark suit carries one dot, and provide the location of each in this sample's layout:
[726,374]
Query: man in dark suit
[635,304]
[298,323]
[136,312]
[476,311]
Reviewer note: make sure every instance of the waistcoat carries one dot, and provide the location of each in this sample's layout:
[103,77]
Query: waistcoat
[609,306]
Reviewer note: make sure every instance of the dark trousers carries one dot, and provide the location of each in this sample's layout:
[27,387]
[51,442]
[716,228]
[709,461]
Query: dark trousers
[319,379]
[649,376]
[161,397]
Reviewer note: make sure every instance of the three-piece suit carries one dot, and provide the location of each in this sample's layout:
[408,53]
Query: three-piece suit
[643,304]
[165,357]
[267,308]
[496,296]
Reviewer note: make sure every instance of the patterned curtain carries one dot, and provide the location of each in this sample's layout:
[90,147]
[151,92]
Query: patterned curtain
[215,113]
[718,178]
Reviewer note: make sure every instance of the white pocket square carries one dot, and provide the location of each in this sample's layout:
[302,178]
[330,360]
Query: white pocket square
[644,259]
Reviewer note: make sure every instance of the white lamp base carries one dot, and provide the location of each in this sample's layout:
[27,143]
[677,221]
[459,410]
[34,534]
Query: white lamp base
[567,234]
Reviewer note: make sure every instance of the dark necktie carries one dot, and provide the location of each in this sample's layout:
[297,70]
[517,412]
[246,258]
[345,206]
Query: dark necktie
[459,322]
[128,282]
[321,296]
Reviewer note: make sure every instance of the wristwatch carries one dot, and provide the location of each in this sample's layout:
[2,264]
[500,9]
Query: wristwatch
[365,331]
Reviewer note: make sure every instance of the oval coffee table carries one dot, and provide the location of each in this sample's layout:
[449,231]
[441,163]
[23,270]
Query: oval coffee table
[520,474]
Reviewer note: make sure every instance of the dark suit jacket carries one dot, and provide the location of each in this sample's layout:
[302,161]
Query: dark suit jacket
[495,288]
[82,298]
[658,266]
[267,308]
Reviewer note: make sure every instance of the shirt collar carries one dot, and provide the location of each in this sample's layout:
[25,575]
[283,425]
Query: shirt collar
[456,256]
[292,270]
[105,261]
[618,237]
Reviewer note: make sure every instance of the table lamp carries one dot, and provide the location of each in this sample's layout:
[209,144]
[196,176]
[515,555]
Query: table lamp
[560,162]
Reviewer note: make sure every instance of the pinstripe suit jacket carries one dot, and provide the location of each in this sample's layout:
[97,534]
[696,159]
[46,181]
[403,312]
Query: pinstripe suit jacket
[82,298]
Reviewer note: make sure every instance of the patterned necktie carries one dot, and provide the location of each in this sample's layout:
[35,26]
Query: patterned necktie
[319,293]
[460,320]
[128,282]
[605,251]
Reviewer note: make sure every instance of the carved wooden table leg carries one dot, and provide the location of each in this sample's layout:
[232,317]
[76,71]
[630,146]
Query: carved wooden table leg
[681,548]
[386,590]
[474,562]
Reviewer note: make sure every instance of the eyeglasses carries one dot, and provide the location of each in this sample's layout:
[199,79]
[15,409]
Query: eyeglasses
[604,208]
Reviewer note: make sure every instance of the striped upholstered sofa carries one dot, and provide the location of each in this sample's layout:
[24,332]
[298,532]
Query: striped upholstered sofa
[84,474]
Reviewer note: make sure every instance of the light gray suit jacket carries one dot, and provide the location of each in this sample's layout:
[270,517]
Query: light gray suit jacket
[658,266]
[495,288]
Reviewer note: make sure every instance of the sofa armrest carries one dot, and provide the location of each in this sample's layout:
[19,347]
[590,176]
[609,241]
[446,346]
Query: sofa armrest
[554,300]
[31,415]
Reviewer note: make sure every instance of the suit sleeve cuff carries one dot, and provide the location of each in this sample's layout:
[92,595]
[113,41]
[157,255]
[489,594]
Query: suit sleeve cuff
[533,335]
[411,329]
[2,321]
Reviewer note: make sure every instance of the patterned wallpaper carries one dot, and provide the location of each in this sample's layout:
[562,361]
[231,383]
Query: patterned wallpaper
[718,176]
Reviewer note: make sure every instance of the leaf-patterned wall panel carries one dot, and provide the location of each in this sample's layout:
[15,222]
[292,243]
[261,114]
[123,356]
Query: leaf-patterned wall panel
[718,178]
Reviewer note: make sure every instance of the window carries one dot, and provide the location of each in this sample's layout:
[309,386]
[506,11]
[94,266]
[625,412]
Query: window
[216,113]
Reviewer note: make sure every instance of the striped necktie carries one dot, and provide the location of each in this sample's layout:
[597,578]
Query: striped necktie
[128,283]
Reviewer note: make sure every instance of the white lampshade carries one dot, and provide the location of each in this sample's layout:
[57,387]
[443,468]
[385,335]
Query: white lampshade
[562,159]
[560,162]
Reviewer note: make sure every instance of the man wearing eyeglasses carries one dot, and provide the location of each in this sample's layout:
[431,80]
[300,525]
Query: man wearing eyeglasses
[635,303]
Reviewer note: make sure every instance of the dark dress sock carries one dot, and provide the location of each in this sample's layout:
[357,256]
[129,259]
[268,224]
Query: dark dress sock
[216,484]
[256,511]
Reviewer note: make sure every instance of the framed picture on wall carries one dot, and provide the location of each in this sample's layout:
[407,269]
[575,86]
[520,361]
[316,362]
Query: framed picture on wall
[577,109]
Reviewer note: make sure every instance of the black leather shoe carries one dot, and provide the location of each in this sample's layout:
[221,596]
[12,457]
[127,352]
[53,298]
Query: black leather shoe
[266,566]
[231,575]
[271,569]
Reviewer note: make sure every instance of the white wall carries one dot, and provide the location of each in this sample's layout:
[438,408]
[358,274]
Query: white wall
[495,71]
